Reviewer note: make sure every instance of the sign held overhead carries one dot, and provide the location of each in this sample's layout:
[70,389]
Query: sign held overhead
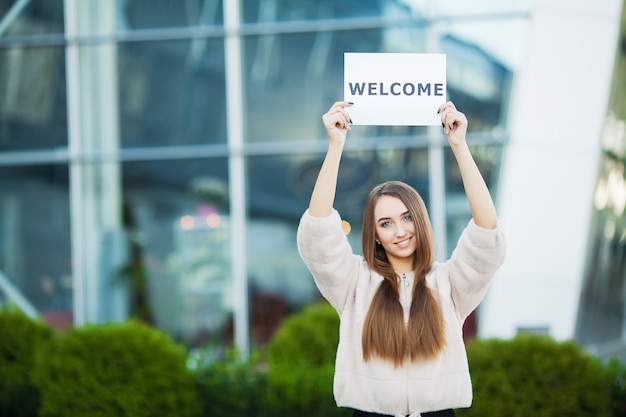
[394,89]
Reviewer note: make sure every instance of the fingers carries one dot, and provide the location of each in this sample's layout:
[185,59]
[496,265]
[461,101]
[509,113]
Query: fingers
[451,118]
[337,116]
[447,106]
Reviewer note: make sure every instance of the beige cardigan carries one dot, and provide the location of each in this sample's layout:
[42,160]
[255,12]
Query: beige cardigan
[345,280]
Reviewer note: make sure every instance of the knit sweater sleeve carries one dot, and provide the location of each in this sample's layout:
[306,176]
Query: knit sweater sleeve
[325,250]
[478,255]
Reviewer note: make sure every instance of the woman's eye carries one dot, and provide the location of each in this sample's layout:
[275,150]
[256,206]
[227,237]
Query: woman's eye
[407,217]
[385,224]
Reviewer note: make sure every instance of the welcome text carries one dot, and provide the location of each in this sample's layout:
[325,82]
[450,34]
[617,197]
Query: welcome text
[396,89]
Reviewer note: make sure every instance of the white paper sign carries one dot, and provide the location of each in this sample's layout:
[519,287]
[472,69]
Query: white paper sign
[395,89]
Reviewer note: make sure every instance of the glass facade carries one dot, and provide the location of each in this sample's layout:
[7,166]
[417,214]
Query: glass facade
[602,312]
[156,156]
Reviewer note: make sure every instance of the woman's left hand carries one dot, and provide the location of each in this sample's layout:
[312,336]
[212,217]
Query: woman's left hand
[454,123]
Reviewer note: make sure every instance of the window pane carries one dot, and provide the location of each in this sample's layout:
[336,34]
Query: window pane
[146,14]
[35,253]
[464,10]
[264,11]
[35,17]
[157,246]
[172,93]
[602,313]
[279,282]
[175,214]
[33,111]
[289,10]
[458,213]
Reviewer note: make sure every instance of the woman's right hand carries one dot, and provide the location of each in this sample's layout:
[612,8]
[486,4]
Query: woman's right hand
[337,122]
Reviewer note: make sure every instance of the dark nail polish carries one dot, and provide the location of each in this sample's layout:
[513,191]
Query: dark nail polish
[438,111]
[442,125]
[350,120]
[350,102]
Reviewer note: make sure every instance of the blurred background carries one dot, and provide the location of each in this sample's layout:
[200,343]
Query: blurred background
[156,156]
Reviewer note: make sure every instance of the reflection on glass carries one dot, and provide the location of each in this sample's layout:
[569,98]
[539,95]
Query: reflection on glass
[172,93]
[464,10]
[278,281]
[34,17]
[458,211]
[176,218]
[601,320]
[33,111]
[264,11]
[147,14]
[200,261]
[35,238]
[602,308]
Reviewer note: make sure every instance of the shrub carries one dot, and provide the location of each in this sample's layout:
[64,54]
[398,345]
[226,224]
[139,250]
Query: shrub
[535,375]
[292,377]
[114,370]
[308,338]
[301,358]
[233,386]
[618,395]
[20,336]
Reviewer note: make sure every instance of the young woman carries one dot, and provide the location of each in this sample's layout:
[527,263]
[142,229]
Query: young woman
[401,348]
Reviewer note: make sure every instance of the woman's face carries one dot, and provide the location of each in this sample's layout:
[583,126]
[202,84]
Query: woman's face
[395,231]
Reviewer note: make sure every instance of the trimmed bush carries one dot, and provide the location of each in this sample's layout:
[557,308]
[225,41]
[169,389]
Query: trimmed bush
[618,397]
[301,358]
[527,375]
[535,375]
[20,337]
[308,338]
[115,370]
[234,387]
[292,377]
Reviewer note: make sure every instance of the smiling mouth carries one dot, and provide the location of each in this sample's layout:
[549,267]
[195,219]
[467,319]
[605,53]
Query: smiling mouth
[404,243]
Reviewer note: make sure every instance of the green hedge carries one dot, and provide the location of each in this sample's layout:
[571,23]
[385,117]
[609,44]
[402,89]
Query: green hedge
[536,375]
[115,370]
[20,337]
[308,339]
[130,369]
[618,394]
[526,375]
[293,376]
[301,359]
[233,387]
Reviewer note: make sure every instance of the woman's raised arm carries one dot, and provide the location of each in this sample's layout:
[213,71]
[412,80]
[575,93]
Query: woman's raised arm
[455,127]
[337,123]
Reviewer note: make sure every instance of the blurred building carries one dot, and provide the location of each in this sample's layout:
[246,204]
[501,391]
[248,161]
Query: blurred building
[564,275]
[156,156]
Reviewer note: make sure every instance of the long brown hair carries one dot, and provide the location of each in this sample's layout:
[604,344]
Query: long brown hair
[384,332]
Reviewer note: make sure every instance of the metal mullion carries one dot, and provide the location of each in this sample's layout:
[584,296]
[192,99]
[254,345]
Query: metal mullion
[163,153]
[246,29]
[436,163]
[236,174]
[75,166]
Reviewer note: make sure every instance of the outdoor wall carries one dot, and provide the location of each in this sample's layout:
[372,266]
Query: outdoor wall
[558,106]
